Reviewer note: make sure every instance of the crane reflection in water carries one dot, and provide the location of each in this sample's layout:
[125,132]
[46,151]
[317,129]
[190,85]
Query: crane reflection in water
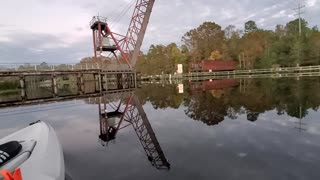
[125,111]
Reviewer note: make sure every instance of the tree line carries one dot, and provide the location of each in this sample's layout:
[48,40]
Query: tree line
[252,47]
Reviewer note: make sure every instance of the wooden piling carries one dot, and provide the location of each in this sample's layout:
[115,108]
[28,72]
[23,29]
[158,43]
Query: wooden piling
[54,85]
[100,82]
[22,86]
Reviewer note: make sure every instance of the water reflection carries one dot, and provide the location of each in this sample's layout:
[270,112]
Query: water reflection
[123,110]
[116,111]
[38,88]
[207,101]
[213,101]
[219,129]
[216,86]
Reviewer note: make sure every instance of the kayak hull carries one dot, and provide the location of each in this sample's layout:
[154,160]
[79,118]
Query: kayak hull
[41,156]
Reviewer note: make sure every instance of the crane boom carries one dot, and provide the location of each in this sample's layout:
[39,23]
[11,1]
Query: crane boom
[132,115]
[128,47]
[137,29]
[146,135]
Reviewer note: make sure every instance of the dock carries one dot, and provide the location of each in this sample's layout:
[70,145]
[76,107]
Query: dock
[83,80]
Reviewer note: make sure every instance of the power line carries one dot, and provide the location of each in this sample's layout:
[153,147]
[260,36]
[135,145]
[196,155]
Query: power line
[116,10]
[122,13]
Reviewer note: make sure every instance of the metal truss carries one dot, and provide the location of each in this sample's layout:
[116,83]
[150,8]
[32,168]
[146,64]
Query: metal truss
[128,47]
[131,113]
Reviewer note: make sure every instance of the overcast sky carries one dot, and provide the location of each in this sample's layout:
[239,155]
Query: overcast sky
[57,31]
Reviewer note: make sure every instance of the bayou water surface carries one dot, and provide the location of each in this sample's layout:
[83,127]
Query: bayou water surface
[220,129]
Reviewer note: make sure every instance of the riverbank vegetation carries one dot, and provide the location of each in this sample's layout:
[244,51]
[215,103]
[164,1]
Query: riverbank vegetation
[252,47]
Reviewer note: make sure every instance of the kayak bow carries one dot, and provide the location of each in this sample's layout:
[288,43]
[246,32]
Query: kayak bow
[36,150]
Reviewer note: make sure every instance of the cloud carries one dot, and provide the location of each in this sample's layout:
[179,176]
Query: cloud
[311,3]
[54,27]
[5,39]
[37,48]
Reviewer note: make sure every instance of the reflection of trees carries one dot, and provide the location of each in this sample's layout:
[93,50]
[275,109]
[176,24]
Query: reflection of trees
[291,96]
[160,96]
[206,108]
[252,116]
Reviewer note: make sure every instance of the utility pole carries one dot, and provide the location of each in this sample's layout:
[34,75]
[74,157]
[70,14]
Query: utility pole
[240,61]
[299,13]
[301,126]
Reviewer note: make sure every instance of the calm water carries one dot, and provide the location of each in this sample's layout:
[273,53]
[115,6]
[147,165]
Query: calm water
[220,129]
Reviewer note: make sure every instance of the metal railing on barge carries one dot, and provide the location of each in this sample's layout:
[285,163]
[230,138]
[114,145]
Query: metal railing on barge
[271,72]
[7,67]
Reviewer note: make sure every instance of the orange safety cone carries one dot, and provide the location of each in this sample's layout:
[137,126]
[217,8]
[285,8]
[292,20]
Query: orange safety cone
[8,176]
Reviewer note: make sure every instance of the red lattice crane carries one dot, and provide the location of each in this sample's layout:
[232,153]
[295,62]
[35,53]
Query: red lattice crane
[128,46]
[129,112]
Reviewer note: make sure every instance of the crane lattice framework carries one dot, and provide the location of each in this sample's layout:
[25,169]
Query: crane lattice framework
[128,46]
[117,115]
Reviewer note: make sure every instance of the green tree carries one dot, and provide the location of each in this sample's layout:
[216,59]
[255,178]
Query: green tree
[203,40]
[315,47]
[315,29]
[250,26]
[233,42]
[253,47]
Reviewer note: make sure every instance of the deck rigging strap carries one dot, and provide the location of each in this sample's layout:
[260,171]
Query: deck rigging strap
[8,151]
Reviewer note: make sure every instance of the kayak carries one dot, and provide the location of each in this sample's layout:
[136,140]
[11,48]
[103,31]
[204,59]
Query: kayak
[35,151]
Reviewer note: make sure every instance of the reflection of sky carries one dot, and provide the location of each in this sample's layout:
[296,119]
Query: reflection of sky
[270,148]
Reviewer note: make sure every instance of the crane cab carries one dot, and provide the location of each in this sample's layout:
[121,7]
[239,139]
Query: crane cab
[101,36]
